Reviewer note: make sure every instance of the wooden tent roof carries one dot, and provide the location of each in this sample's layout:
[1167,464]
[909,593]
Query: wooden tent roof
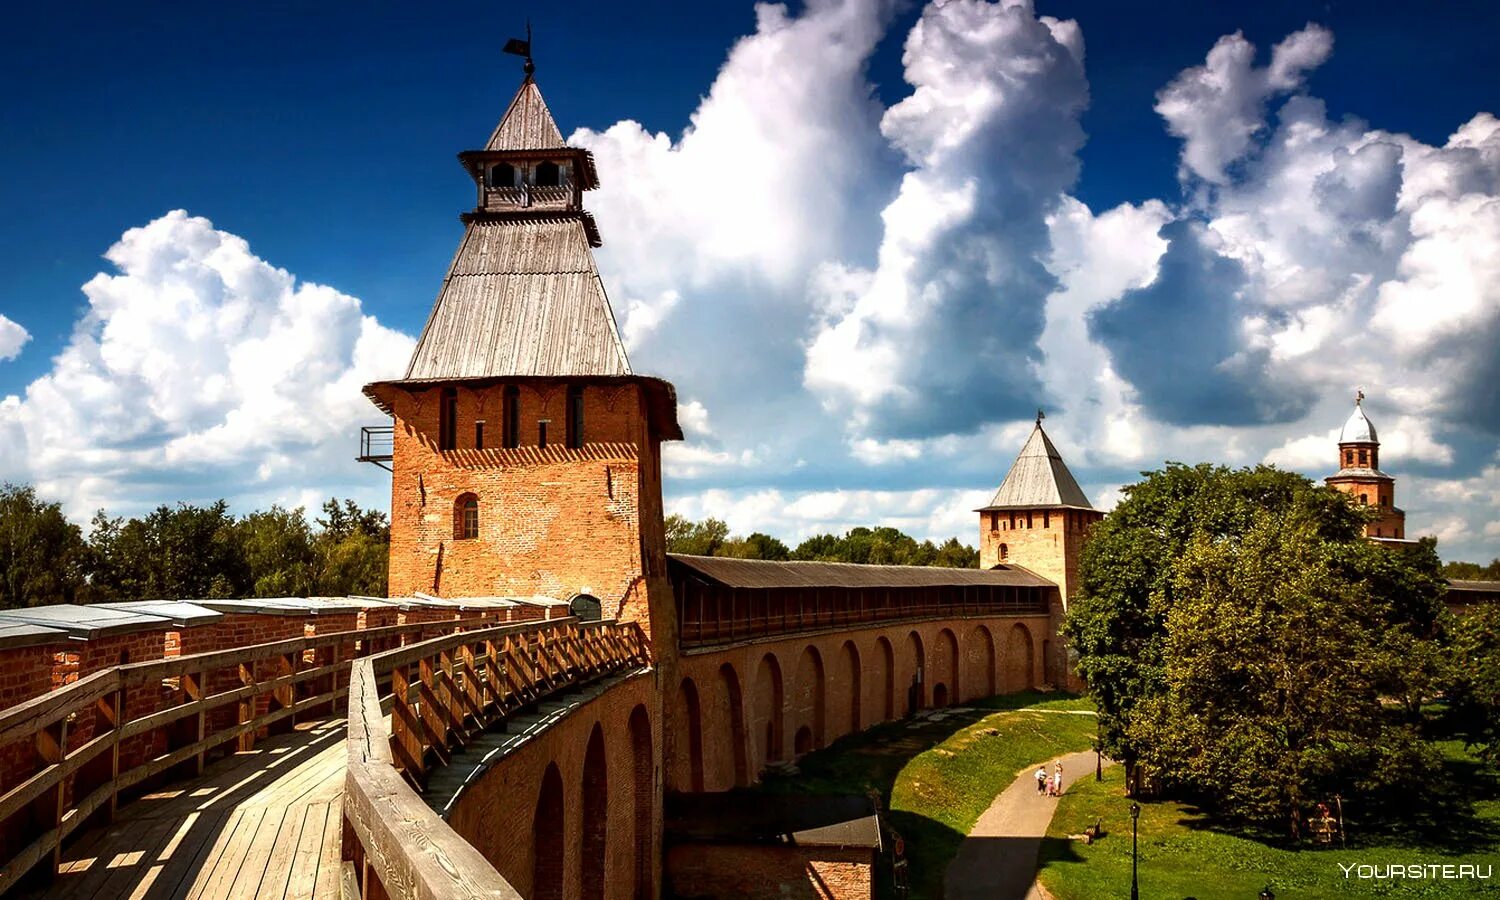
[522,298]
[527,123]
[1039,479]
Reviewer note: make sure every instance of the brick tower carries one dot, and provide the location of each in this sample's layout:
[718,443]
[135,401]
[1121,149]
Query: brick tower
[526,454]
[1360,477]
[1039,518]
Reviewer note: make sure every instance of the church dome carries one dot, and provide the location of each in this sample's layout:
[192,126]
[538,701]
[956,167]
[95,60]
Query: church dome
[1358,430]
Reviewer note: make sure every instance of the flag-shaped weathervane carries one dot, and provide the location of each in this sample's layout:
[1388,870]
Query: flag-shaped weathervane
[518,47]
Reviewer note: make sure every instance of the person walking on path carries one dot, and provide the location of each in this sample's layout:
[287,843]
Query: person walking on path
[1041,779]
[1057,780]
[997,860]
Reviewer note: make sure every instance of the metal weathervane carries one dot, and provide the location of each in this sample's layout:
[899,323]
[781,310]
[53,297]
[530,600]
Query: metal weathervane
[518,47]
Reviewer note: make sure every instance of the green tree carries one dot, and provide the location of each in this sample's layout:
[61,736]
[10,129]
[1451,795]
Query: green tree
[956,555]
[43,557]
[1156,549]
[277,546]
[1474,690]
[1467,571]
[1273,659]
[351,552]
[758,545]
[174,553]
[695,538]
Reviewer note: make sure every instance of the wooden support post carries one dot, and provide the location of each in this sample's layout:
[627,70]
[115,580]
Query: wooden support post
[247,706]
[192,689]
[110,708]
[51,744]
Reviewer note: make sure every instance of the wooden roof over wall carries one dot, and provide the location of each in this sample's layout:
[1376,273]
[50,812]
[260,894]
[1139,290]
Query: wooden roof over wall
[762,573]
[527,123]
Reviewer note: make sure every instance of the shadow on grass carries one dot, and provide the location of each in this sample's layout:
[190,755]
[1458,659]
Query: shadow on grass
[870,761]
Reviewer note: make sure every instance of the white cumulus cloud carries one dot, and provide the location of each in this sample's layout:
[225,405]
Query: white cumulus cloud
[12,338]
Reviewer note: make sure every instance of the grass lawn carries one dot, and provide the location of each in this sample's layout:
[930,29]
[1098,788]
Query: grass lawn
[937,775]
[1180,856]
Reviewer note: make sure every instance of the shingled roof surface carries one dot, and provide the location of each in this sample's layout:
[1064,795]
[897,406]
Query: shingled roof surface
[1039,478]
[527,123]
[521,299]
[762,573]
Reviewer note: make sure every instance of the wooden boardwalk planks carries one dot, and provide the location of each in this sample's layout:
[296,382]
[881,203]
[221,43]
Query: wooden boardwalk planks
[262,824]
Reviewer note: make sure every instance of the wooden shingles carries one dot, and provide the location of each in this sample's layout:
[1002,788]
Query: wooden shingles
[522,298]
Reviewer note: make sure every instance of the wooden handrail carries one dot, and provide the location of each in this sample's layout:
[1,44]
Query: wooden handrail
[102,699]
[439,700]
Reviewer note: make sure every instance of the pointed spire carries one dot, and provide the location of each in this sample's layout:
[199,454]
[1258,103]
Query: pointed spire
[1039,477]
[1358,429]
[527,123]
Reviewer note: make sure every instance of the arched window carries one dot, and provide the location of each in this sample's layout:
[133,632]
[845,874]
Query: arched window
[548,174]
[586,607]
[1004,553]
[466,518]
[501,175]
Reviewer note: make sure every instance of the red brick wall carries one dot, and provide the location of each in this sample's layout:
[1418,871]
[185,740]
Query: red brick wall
[25,672]
[555,521]
[1047,542]
[770,872]
[1014,670]
[496,815]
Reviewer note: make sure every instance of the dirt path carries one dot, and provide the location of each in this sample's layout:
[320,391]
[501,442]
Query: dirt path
[997,861]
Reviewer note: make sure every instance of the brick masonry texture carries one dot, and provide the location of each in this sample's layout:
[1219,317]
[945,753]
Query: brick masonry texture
[731,711]
[499,812]
[764,872]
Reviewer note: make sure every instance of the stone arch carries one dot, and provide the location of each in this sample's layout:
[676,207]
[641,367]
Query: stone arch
[812,692]
[885,671]
[939,695]
[945,669]
[803,742]
[769,711]
[734,702]
[644,789]
[849,673]
[686,765]
[547,838]
[1020,659]
[592,855]
[979,664]
[916,690]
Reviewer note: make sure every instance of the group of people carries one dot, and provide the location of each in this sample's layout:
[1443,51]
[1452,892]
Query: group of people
[1049,785]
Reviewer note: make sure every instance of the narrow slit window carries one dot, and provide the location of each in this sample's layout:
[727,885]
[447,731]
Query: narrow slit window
[512,412]
[575,417]
[479,435]
[541,433]
[448,420]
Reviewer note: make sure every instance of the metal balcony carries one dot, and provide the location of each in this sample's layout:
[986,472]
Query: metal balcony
[377,445]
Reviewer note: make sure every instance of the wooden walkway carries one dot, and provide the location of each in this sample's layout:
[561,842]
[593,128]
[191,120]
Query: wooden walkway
[263,824]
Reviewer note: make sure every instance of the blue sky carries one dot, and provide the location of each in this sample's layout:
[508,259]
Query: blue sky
[826,189]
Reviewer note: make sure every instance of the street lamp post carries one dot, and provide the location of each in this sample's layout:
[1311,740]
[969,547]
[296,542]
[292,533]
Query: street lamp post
[1135,817]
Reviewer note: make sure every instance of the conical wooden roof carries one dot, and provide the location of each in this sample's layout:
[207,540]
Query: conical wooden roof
[527,123]
[1039,479]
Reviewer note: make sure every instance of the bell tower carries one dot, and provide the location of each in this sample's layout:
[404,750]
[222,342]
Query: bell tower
[525,455]
[1360,477]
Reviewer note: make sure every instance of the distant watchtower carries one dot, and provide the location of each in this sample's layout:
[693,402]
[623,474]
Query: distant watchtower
[1039,518]
[526,453]
[1360,477]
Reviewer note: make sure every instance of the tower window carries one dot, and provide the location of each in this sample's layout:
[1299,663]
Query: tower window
[575,416]
[511,436]
[541,433]
[1364,500]
[479,435]
[466,518]
[448,420]
[1004,553]
[1364,457]
[548,175]
[501,175]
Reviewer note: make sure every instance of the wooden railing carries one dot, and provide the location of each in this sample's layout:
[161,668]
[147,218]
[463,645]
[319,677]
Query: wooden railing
[109,732]
[443,692]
